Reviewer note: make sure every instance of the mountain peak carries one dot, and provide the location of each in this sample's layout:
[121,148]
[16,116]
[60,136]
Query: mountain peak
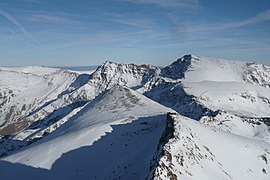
[108,62]
[185,60]
[178,68]
[84,122]
[187,56]
[130,75]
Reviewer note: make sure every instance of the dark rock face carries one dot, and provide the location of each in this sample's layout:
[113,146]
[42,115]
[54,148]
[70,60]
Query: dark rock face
[177,69]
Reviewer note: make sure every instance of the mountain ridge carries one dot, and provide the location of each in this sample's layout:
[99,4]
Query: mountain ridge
[226,97]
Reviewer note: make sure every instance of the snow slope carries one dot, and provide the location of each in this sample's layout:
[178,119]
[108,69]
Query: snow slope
[225,85]
[235,97]
[208,69]
[36,70]
[106,125]
[232,96]
[119,122]
[46,115]
[198,151]
[21,92]
[80,69]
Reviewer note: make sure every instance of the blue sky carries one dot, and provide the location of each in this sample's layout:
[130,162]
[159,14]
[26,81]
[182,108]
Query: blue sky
[89,32]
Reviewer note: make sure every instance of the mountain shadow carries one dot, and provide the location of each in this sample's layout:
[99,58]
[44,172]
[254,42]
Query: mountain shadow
[174,96]
[124,153]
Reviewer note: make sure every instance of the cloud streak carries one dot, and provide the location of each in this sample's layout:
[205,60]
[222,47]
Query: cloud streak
[50,19]
[136,22]
[32,1]
[16,23]
[207,28]
[170,4]
[260,18]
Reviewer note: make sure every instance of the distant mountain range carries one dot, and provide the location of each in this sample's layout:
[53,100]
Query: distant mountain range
[198,118]
[78,68]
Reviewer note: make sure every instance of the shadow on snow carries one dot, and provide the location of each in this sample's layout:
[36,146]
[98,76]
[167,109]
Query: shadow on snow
[125,152]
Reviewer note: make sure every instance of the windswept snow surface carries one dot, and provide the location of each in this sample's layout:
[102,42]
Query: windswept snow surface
[198,151]
[36,70]
[23,89]
[113,123]
[222,85]
[114,136]
[210,69]
[242,103]
[235,97]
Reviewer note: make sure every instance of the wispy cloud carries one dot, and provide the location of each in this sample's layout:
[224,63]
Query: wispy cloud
[136,21]
[223,38]
[32,1]
[172,4]
[44,18]
[15,35]
[16,23]
[259,18]
[208,28]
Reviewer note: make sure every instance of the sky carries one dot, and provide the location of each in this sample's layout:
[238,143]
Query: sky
[89,32]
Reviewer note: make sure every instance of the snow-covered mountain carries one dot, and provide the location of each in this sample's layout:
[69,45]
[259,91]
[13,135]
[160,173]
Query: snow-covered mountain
[198,118]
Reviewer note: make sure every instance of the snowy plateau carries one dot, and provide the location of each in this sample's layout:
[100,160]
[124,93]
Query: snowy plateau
[198,118]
